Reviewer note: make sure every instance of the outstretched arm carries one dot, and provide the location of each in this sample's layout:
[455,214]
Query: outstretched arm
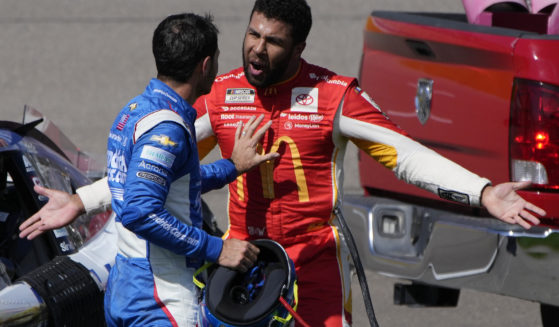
[504,203]
[61,209]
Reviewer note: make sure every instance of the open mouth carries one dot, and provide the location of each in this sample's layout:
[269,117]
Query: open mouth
[256,68]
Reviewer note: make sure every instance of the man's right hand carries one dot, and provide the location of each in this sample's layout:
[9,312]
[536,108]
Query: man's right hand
[238,255]
[61,209]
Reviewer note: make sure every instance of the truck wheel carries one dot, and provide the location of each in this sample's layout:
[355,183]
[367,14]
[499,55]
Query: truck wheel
[550,315]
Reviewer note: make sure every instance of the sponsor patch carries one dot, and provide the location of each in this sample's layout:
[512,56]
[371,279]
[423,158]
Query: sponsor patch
[238,108]
[163,140]
[454,196]
[133,106]
[154,168]
[175,232]
[304,99]
[226,77]
[60,232]
[151,177]
[157,155]
[165,94]
[116,166]
[256,231]
[234,116]
[240,95]
[308,126]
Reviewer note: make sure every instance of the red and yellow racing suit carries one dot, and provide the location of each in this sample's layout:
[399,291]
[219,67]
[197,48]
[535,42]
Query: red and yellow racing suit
[291,199]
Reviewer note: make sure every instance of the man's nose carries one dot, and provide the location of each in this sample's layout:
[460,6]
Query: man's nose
[260,46]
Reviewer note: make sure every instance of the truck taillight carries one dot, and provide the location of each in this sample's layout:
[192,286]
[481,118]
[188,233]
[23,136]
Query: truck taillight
[534,133]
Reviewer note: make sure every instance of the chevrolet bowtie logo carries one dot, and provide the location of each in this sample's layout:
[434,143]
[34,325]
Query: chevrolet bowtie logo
[163,140]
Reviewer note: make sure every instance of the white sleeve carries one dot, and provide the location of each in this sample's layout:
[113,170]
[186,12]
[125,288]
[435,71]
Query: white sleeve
[419,165]
[203,127]
[96,197]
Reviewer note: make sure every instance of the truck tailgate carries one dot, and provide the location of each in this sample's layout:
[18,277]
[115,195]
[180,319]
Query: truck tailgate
[472,75]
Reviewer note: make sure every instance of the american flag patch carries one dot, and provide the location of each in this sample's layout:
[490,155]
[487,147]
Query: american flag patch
[122,122]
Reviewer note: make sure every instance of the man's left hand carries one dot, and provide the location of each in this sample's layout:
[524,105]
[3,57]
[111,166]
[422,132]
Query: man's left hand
[245,154]
[504,203]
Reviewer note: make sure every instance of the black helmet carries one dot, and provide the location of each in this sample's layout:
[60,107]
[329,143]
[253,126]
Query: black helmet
[232,298]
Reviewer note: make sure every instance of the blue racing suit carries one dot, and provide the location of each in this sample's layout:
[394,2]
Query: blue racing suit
[156,179]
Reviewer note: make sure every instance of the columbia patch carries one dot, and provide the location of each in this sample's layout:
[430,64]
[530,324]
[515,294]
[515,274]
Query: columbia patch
[157,155]
[151,177]
[454,196]
[243,95]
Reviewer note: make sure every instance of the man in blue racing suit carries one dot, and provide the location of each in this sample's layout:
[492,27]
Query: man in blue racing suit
[156,179]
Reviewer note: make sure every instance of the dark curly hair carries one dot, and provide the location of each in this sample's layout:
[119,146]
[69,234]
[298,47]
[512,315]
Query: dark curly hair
[295,13]
[182,41]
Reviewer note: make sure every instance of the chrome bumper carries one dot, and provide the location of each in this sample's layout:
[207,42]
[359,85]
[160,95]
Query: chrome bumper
[452,250]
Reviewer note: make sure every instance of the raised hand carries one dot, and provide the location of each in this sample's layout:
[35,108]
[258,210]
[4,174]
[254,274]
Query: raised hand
[504,203]
[61,209]
[245,154]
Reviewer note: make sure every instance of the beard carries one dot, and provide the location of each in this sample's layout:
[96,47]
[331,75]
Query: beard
[270,74]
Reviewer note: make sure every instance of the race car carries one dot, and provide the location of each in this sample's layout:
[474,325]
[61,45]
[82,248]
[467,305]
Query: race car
[58,278]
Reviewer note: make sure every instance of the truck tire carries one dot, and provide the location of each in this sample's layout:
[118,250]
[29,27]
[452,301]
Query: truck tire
[549,314]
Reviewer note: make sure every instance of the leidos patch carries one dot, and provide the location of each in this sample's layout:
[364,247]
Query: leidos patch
[240,95]
[157,155]
[304,99]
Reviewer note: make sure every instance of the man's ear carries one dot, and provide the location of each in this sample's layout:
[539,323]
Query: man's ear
[207,64]
[299,48]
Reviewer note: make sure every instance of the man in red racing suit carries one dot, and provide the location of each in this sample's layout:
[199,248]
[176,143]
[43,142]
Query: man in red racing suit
[291,199]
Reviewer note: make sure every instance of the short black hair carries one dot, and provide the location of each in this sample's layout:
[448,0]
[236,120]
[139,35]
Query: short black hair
[180,42]
[295,13]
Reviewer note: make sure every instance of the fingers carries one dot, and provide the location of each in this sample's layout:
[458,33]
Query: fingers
[34,234]
[521,185]
[254,251]
[533,208]
[30,221]
[522,222]
[525,215]
[269,156]
[251,124]
[238,130]
[258,135]
[49,193]
[32,228]
[237,254]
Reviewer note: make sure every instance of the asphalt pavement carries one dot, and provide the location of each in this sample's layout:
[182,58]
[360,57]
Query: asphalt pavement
[79,61]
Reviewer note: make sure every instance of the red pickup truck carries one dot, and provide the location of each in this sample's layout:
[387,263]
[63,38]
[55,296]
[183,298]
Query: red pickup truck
[486,96]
